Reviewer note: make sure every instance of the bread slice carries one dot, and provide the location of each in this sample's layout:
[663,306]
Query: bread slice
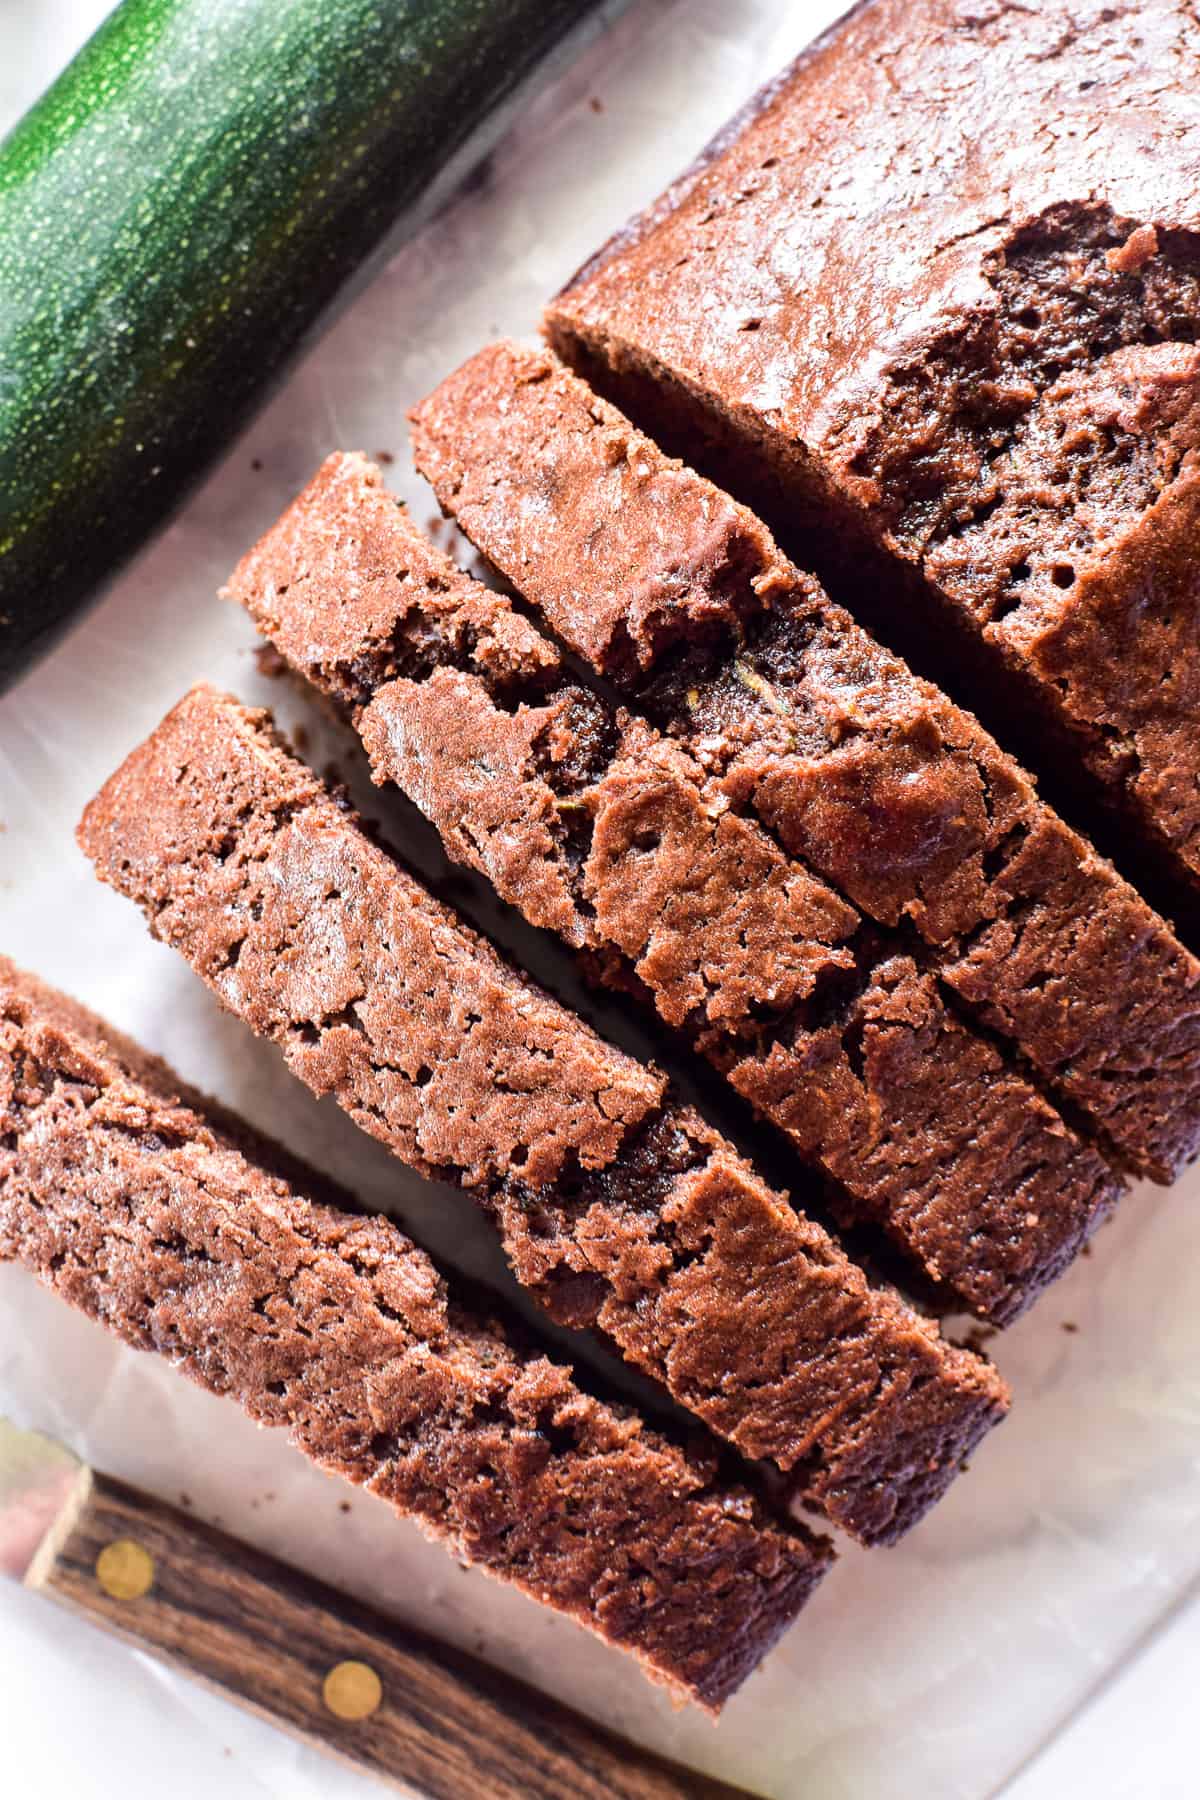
[867,774]
[619,1208]
[597,827]
[154,1212]
[933,304]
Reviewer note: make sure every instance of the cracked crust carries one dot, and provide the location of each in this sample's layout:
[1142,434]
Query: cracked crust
[870,776]
[618,1207]
[147,1210]
[865,301]
[596,827]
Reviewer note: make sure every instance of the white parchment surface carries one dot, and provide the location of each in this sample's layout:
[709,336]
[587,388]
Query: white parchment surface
[935,1669]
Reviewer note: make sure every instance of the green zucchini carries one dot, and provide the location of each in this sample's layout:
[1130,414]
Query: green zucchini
[176,214]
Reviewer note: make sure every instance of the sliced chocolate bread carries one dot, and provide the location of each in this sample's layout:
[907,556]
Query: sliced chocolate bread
[870,776]
[619,1208]
[597,827]
[154,1212]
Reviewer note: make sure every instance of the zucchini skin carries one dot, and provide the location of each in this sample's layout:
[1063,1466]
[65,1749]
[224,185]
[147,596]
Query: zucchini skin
[175,215]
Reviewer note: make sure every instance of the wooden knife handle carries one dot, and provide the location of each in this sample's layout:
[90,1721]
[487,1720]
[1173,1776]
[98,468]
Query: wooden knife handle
[429,1719]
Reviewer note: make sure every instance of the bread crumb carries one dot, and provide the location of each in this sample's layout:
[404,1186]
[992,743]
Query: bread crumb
[1137,250]
[269,663]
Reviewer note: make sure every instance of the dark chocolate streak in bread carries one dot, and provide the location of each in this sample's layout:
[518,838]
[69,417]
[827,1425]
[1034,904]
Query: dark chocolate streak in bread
[938,296]
[619,1209]
[166,1222]
[598,828]
[869,775]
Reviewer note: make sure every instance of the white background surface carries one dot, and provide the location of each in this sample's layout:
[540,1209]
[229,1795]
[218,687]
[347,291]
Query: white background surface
[1035,1636]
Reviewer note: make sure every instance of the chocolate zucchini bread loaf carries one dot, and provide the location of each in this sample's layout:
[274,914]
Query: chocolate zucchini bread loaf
[936,296]
[174,1226]
[870,776]
[598,828]
[618,1208]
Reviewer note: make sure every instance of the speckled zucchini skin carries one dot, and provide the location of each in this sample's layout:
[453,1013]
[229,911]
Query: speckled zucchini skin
[175,214]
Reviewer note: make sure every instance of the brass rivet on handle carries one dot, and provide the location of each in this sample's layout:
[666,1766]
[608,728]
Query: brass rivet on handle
[125,1570]
[352,1691]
